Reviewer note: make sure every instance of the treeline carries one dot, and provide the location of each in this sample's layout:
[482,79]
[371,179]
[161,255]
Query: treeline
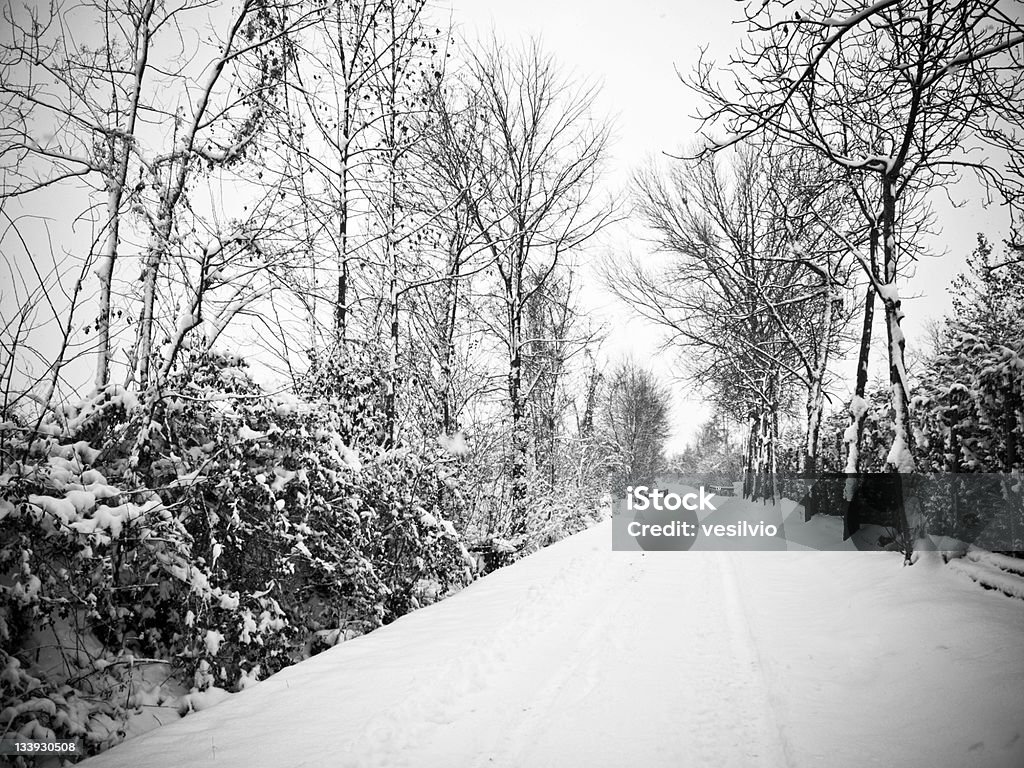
[302,351]
[799,215]
[966,398]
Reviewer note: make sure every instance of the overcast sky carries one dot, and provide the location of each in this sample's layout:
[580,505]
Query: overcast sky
[634,49]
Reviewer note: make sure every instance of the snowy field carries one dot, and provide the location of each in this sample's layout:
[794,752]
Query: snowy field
[579,655]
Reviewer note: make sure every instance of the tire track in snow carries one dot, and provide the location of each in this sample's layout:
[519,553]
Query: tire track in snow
[607,658]
[583,665]
[747,650]
[663,673]
[466,683]
[713,708]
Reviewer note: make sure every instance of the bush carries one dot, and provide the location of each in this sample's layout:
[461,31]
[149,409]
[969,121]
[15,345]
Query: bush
[217,529]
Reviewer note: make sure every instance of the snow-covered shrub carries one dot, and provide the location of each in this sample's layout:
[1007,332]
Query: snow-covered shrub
[92,571]
[970,401]
[970,412]
[971,407]
[293,505]
[214,529]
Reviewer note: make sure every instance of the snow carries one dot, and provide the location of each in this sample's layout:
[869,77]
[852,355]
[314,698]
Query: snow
[214,247]
[85,453]
[146,696]
[1012,564]
[101,490]
[63,509]
[197,701]
[249,627]
[247,433]
[858,409]
[899,456]
[282,478]
[83,501]
[858,406]
[93,477]
[113,519]
[249,678]
[351,458]
[578,655]
[188,479]
[455,444]
[990,577]
[212,641]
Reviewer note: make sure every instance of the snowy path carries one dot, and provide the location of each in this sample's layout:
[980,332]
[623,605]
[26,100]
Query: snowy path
[583,656]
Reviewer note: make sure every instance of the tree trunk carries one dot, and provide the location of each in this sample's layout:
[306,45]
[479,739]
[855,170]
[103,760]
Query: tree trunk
[858,404]
[748,474]
[391,391]
[901,457]
[120,154]
[150,273]
[809,464]
[519,431]
[341,306]
[816,402]
[816,391]
[448,346]
[391,245]
[105,273]
[344,142]
[763,481]
[177,173]
[901,454]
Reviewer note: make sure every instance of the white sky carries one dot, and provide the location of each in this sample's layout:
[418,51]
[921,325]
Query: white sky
[634,50]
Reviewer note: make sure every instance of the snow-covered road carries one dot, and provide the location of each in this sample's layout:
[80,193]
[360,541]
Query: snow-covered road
[579,655]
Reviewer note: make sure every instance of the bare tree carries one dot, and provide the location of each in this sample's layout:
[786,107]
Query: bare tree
[71,113]
[751,296]
[37,313]
[555,335]
[527,171]
[101,110]
[635,411]
[327,129]
[895,89]
[400,89]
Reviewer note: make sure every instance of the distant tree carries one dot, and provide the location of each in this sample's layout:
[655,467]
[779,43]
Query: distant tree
[751,293]
[714,450]
[636,416]
[555,334]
